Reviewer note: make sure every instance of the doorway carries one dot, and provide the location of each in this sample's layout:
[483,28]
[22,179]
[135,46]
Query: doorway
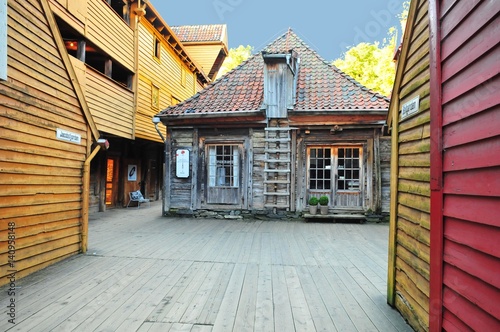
[336,172]
[112,171]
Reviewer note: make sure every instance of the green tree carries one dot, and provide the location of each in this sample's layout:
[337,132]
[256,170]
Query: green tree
[371,64]
[235,57]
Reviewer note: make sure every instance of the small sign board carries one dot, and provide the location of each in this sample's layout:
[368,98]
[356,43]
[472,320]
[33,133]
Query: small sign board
[68,136]
[182,163]
[132,173]
[3,40]
[410,107]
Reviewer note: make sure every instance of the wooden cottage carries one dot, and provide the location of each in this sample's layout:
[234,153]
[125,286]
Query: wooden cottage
[47,141]
[280,128]
[130,65]
[444,257]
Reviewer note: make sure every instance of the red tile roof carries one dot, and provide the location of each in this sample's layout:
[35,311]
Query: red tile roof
[320,86]
[199,33]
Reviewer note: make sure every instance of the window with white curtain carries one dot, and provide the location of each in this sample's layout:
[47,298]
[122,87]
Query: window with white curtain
[223,166]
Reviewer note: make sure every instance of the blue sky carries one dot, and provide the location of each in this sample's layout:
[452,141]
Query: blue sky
[329,27]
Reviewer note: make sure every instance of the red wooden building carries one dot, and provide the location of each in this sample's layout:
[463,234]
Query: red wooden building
[444,271]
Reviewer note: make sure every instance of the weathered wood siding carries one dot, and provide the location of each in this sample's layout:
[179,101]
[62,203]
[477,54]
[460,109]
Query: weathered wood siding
[385,173]
[258,165]
[470,60]
[178,190]
[165,73]
[41,177]
[410,217]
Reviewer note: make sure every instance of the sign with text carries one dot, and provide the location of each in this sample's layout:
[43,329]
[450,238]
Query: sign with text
[68,136]
[410,107]
[182,163]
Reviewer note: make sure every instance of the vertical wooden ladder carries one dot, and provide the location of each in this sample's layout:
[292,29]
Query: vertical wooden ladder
[277,170]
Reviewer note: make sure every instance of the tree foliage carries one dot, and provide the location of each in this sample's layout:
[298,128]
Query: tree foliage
[371,64]
[235,57]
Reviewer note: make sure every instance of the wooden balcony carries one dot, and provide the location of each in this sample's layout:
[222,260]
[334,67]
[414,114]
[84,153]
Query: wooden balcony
[144,272]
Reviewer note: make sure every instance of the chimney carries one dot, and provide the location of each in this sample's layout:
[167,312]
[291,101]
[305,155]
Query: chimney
[280,83]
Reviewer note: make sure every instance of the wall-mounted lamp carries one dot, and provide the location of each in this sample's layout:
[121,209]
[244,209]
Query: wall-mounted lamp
[156,120]
[103,143]
[307,131]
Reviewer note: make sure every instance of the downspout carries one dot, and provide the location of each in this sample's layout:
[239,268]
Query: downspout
[436,172]
[85,200]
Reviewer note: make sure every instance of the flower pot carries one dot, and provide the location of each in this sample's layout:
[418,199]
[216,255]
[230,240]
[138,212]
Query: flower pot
[313,209]
[323,209]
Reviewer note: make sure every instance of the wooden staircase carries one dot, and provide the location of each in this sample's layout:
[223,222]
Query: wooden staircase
[277,170]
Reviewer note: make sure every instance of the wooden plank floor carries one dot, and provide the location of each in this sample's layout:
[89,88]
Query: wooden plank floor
[144,272]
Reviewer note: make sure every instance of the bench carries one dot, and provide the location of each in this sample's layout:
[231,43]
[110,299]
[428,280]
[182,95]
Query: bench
[136,196]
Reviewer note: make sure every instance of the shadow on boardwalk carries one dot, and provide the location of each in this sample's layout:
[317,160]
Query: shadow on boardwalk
[144,272]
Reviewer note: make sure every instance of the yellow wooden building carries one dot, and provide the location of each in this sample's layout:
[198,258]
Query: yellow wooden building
[79,71]
[47,140]
[130,64]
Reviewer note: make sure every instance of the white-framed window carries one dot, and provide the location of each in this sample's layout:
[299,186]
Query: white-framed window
[223,166]
[349,172]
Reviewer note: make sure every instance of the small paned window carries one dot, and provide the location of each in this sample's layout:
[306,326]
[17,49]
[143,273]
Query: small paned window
[223,166]
[320,169]
[348,169]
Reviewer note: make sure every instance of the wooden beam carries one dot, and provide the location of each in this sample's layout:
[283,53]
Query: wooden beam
[436,181]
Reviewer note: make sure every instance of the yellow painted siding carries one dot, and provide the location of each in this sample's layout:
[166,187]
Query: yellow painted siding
[111,105]
[413,190]
[165,73]
[41,178]
[204,55]
[109,32]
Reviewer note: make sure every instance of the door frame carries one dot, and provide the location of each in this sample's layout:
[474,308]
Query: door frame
[243,172]
[334,163]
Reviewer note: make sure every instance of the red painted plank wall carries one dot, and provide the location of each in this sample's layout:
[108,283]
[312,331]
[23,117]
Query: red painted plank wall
[470,65]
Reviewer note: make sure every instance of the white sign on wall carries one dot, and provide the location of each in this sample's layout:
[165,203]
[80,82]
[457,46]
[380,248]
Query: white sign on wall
[132,173]
[410,107]
[182,163]
[3,40]
[68,136]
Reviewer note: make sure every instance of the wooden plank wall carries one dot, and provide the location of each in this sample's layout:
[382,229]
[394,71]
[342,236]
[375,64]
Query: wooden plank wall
[205,55]
[165,73]
[41,177]
[385,173]
[180,188]
[108,31]
[113,110]
[471,164]
[413,190]
[257,168]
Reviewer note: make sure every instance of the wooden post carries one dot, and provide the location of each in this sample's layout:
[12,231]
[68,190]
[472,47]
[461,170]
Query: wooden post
[436,169]
[391,269]
[85,199]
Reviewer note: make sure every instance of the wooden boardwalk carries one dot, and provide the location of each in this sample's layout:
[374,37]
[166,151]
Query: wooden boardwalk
[144,272]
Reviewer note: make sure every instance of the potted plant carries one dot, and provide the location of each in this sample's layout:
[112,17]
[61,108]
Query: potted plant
[313,205]
[323,204]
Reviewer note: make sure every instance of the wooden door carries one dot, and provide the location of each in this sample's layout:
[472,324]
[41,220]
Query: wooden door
[336,171]
[112,181]
[224,176]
